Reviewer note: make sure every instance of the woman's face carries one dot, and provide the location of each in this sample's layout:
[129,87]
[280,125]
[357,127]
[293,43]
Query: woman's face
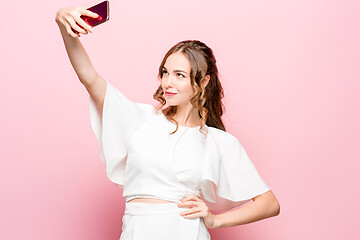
[176,79]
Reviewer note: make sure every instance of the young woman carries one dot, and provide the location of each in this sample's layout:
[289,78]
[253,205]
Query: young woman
[176,164]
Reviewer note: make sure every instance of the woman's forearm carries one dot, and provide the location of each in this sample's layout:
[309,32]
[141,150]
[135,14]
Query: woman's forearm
[78,57]
[259,209]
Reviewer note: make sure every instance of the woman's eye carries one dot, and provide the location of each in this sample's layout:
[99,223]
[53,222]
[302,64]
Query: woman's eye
[179,74]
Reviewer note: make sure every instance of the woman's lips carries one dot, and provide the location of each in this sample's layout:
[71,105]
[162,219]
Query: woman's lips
[170,94]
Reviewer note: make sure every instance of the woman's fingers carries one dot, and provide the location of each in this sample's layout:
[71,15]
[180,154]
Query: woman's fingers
[188,203]
[88,13]
[83,24]
[70,31]
[71,18]
[76,27]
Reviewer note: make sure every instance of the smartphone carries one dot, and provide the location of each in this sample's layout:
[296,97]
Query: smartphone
[102,9]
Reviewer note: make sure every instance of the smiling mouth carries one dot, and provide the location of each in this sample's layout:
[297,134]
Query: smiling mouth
[170,94]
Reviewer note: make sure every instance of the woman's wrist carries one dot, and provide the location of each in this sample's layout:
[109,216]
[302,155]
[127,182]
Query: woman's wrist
[217,221]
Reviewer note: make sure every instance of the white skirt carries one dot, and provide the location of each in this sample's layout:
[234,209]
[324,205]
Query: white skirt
[160,221]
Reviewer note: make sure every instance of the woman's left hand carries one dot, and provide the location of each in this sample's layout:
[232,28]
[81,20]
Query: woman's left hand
[198,208]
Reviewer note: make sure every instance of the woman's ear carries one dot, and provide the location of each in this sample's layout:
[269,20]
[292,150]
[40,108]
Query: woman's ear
[205,81]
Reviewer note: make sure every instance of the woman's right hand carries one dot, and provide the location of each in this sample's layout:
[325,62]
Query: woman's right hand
[70,18]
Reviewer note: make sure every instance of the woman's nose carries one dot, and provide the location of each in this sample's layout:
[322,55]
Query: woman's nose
[169,81]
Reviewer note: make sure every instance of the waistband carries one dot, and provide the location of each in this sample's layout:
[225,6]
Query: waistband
[142,208]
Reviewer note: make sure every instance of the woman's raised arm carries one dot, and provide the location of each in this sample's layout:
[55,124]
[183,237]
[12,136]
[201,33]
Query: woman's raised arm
[68,20]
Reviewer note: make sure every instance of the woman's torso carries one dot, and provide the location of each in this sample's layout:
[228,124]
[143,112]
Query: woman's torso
[184,170]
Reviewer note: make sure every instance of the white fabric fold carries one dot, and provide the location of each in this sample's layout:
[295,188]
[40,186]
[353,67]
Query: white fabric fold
[114,127]
[229,177]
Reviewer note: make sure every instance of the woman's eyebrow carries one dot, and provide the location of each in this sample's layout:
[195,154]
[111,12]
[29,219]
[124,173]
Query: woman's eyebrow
[177,70]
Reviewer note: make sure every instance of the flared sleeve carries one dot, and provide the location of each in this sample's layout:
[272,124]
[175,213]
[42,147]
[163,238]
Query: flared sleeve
[229,177]
[113,129]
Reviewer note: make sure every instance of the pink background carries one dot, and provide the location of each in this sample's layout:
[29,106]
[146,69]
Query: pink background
[290,71]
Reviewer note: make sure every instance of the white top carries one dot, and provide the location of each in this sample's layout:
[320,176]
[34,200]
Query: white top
[146,161]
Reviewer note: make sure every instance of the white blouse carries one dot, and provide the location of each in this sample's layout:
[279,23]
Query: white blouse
[141,156]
